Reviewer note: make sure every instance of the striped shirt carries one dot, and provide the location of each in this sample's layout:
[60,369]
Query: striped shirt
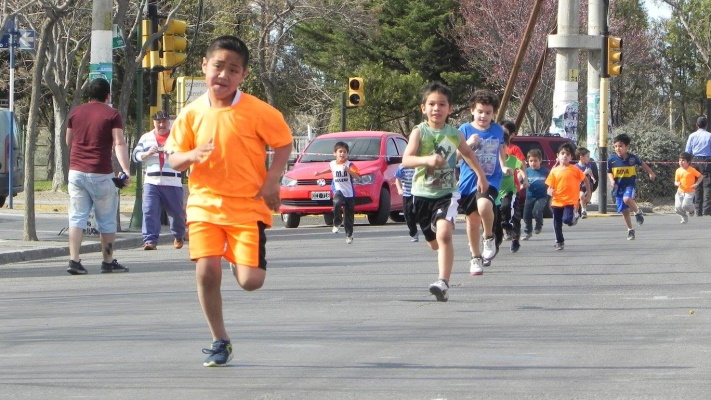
[405,176]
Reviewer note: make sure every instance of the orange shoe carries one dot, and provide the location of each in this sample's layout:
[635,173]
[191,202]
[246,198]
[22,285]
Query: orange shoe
[178,244]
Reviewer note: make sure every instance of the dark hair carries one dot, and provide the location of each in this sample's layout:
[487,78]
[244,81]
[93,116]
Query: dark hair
[567,147]
[485,97]
[701,122]
[341,145]
[535,153]
[99,89]
[622,138]
[686,156]
[507,138]
[509,126]
[437,87]
[231,43]
[581,151]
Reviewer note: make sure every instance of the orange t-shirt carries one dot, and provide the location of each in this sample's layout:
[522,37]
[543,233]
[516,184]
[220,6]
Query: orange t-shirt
[223,187]
[686,178]
[565,181]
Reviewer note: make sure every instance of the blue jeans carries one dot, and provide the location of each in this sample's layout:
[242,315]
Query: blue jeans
[533,209]
[88,190]
[156,198]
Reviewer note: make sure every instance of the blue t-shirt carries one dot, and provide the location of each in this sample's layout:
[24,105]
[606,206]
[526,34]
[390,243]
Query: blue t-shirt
[537,188]
[624,171]
[488,155]
[404,174]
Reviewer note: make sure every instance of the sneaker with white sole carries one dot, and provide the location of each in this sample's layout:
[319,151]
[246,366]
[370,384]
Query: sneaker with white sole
[220,353]
[630,234]
[415,238]
[527,235]
[639,217]
[439,290]
[349,240]
[335,229]
[559,246]
[489,251]
[486,263]
[476,265]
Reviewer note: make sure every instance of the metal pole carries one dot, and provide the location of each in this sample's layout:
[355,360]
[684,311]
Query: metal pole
[604,111]
[519,60]
[136,221]
[595,27]
[565,93]
[10,161]
[343,111]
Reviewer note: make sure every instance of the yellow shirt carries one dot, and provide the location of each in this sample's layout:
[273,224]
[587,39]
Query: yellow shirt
[224,186]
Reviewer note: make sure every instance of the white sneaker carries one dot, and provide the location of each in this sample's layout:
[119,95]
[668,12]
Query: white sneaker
[335,229]
[415,238]
[489,251]
[439,290]
[684,219]
[349,240]
[476,266]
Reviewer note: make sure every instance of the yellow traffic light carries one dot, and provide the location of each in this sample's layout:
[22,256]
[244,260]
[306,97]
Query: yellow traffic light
[614,56]
[174,43]
[145,34]
[356,92]
[708,89]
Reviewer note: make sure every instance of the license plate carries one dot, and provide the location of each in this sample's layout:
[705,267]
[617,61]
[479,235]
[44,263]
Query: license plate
[320,195]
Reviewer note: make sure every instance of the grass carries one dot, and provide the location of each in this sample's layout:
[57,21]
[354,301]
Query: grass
[46,186]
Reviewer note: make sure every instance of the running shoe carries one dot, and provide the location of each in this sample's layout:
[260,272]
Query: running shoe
[219,354]
[439,290]
[113,266]
[75,268]
[476,265]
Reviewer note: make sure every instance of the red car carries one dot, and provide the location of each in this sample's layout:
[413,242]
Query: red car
[377,156]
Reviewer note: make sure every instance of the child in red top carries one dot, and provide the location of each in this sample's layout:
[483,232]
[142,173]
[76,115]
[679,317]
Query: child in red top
[563,186]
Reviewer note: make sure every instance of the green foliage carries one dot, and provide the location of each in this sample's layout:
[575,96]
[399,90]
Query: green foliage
[660,150]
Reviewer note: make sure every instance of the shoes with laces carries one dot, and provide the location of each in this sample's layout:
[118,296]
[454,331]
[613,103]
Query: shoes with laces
[113,266]
[219,354]
[486,263]
[515,245]
[75,268]
[537,231]
[149,246]
[630,234]
[349,240]
[560,246]
[415,238]
[335,229]
[439,290]
[583,214]
[476,265]
[489,251]
[639,217]
[527,235]
[178,243]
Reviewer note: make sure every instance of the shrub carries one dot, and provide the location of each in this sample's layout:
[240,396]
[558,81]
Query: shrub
[660,149]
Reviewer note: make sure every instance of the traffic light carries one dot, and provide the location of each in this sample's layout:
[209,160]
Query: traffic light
[614,56]
[152,56]
[174,44]
[356,92]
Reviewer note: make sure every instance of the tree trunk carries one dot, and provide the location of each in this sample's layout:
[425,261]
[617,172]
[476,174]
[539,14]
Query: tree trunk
[61,153]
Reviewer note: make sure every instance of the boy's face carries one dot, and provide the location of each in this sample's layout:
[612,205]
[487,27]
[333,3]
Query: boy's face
[620,148]
[683,163]
[224,71]
[585,159]
[341,155]
[436,108]
[564,157]
[534,162]
[483,115]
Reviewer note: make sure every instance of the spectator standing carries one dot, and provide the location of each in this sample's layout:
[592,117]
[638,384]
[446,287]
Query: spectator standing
[162,185]
[699,146]
[94,130]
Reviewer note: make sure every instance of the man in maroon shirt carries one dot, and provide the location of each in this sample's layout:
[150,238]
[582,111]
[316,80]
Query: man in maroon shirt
[94,129]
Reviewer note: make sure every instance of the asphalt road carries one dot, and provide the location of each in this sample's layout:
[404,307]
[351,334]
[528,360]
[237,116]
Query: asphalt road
[606,318]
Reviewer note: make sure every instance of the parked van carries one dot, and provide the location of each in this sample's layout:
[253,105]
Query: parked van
[9,136]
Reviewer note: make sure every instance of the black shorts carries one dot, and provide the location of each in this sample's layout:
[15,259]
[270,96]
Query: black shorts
[468,202]
[429,211]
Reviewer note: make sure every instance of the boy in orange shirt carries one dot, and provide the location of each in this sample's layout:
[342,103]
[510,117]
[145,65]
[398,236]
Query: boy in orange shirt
[221,137]
[686,179]
[564,188]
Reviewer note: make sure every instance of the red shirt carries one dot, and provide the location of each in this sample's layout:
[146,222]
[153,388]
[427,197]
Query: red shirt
[92,140]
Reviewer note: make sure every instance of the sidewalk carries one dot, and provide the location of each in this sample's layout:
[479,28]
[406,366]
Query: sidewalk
[51,224]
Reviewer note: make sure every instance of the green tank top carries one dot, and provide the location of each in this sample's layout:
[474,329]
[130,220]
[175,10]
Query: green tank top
[441,181]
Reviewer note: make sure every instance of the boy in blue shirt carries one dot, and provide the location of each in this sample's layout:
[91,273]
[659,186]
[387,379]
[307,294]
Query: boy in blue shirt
[536,194]
[622,174]
[403,182]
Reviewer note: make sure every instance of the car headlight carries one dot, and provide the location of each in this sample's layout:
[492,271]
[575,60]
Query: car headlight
[365,179]
[289,182]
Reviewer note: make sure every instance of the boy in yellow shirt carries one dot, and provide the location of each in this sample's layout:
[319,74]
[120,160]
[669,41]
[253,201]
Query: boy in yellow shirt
[221,137]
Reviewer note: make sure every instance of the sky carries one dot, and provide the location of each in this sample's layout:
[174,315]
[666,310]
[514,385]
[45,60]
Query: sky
[657,9]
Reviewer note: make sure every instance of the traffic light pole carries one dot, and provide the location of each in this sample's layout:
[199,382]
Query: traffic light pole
[604,109]
[136,221]
[344,109]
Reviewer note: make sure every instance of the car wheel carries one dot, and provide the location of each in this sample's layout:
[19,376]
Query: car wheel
[380,217]
[328,219]
[397,216]
[291,220]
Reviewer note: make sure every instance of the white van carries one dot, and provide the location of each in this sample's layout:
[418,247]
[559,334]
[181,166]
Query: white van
[18,160]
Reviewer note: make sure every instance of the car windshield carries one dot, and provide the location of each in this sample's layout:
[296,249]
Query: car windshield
[360,149]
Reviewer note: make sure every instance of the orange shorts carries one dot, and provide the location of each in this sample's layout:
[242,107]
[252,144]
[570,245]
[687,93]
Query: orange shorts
[239,244]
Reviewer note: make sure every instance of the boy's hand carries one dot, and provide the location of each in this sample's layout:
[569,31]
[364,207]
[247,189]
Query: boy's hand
[270,193]
[550,191]
[482,185]
[474,141]
[652,176]
[435,160]
[507,171]
[203,151]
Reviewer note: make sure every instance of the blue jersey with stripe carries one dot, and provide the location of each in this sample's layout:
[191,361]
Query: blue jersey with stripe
[405,176]
[624,170]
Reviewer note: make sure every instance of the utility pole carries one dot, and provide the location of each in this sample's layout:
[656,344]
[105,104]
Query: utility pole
[565,92]
[10,159]
[101,57]
[604,109]
[595,27]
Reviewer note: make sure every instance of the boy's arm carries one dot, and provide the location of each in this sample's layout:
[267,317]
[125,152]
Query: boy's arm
[182,160]
[611,180]
[317,173]
[502,161]
[523,175]
[588,188]
[473,162]
[410,159]
[649,171]
[352,173]
[270,187]
[398,185]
